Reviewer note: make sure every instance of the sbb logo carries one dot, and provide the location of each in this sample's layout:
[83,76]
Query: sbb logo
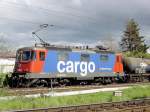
[72,67]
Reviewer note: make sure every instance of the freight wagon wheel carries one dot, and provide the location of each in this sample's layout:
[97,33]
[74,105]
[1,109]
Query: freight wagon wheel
[148,78]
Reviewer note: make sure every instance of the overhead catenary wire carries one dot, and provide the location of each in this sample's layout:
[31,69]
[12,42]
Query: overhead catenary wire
[54,12]
[20,20]
[37,23]
[34,23]
[47,11]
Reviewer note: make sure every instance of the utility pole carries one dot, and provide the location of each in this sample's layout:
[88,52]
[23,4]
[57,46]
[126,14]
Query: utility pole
[51,86]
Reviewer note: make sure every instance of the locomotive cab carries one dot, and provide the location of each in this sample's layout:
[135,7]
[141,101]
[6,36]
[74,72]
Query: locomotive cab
[29,60]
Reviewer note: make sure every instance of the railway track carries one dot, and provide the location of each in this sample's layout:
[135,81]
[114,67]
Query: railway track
[141,105]
[26,91]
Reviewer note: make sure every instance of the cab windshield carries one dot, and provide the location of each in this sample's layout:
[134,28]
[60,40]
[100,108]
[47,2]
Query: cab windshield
[25,55]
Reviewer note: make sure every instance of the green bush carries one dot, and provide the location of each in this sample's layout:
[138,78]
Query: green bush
[3,92]
[137,54]
[3,79]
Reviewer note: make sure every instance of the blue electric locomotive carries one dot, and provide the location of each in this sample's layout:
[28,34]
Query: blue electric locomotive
[38,65]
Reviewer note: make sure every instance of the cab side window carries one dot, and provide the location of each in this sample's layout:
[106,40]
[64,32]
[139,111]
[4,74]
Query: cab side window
[42,56]
[85,57]
[62,56]
[33,55]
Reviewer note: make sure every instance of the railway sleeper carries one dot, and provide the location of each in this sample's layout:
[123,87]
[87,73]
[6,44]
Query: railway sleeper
[118,105]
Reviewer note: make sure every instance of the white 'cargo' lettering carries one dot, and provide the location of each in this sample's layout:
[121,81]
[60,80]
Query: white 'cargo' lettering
[72,67]
[61,70]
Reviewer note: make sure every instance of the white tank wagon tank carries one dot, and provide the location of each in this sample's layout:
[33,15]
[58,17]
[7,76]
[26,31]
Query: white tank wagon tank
[148,66]
[136,65]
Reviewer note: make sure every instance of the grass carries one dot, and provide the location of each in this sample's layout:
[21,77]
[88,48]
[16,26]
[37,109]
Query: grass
[135,92]
[3,92]
[26,103]
[20,102]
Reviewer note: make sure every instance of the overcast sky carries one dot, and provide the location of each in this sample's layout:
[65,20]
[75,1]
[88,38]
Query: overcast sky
[75,21]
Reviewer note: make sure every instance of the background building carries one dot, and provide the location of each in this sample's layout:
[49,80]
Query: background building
[7,65]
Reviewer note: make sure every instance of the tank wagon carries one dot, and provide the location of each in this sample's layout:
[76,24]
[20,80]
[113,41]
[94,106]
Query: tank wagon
[42,66]
[136,65]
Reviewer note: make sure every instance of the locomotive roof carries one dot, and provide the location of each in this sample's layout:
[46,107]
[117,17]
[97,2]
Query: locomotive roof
[75,49]
[43,48]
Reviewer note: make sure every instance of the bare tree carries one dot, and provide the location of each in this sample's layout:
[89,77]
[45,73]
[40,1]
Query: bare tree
[111,43]
[5,50]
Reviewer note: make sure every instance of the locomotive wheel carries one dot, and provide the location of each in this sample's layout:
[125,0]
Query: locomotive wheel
[64,82]
[97,81]
[41,83]
[83,83]
[104,80]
